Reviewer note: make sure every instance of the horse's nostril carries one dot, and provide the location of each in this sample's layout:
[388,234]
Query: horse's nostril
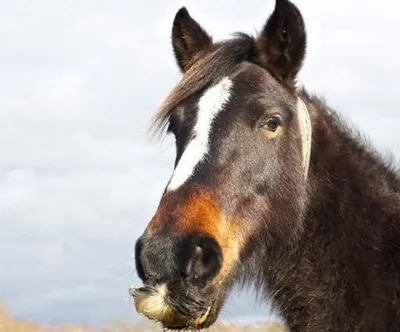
[193,263]
[138,260]
[204,261]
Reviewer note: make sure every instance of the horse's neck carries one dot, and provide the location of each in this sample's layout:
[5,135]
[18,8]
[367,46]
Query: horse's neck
[350,181]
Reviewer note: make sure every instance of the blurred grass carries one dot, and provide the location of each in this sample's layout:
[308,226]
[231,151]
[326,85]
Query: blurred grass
[7,324]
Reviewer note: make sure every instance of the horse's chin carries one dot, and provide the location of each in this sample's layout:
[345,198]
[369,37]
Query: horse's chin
[158,304]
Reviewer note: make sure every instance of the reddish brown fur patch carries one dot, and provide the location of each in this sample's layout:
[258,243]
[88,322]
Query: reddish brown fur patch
[201,214]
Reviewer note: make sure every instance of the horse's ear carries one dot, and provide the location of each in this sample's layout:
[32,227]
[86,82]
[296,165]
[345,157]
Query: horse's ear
[188,38]
[282,42]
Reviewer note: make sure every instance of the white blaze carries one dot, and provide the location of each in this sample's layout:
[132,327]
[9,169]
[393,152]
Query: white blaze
[210,104]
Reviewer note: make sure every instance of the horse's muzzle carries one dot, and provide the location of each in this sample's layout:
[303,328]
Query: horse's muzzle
[194,260]
[177,273]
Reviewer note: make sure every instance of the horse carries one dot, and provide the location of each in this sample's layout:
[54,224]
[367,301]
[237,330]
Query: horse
[270,188]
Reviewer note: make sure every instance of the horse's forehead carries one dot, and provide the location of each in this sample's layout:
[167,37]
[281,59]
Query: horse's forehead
[210,104]
[247,79]
[253,78]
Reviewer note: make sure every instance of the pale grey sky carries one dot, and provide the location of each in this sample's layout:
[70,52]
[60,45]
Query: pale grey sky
[78,178]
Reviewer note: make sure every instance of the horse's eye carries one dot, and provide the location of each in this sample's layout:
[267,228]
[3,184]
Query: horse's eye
[172,126]
[272,123]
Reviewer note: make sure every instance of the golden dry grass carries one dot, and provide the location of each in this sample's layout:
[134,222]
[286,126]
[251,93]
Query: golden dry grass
[7,324]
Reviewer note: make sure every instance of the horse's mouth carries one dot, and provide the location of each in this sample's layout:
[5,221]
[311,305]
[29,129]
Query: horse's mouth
[155,303]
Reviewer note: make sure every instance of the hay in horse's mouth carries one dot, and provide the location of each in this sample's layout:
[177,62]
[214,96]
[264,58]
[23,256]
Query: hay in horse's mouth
[152,302]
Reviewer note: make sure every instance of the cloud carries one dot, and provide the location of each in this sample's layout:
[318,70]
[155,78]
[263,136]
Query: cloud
[78,178]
